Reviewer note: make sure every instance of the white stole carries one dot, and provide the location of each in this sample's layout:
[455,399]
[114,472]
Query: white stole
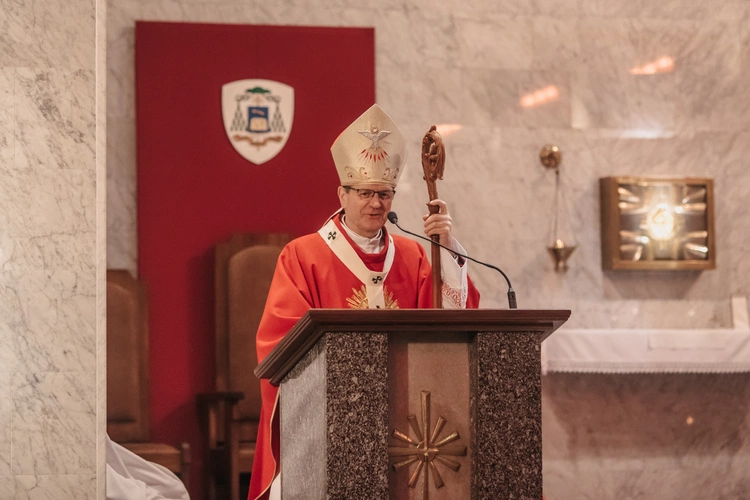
[372,280]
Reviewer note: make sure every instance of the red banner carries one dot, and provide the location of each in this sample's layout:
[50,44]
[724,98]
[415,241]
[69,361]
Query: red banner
[196,189]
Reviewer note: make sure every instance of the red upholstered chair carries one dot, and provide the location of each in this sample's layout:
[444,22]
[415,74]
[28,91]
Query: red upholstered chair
[244,268]
[128,421]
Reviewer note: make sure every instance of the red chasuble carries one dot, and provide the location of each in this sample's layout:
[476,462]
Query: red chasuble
[309,275]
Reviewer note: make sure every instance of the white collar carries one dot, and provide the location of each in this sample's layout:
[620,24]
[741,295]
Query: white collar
[368,245]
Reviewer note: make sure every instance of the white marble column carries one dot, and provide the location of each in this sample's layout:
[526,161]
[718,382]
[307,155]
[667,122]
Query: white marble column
[52,248]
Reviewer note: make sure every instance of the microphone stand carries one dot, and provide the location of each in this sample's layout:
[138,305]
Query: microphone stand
[512,303]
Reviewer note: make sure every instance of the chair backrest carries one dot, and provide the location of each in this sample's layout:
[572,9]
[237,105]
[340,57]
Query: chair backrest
[244,268]
[127,359]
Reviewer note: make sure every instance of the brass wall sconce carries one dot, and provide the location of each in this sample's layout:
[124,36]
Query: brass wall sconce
[559,249]
[655,223]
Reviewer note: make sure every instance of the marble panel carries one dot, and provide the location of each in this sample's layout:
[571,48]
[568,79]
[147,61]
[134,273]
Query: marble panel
[501,98]
[49,320]
[294,15]
[564,480]
[169,10]
[608,95]
[440,100]
[121,235]
[590,479]
[301,4]
[121,63]
[740,11]
[100,315]
[7,117]
[223,13]
[556,44]
[712,85]
[282,13]
[644,9]
[68,487]
[403,39]
[559,9]
[497,42]
[7,487]
[52,350]
[61,251]
[55,125]
[363,17]
[54,423]
[679,484]
[733,192]
[5,412]
[59,299]
[645,436]
[664,314]
[121,193]
[476,9]
[101,380]
[633,103]
[232,12]
[634,418]
[51,34]
[45,202]
[120,18]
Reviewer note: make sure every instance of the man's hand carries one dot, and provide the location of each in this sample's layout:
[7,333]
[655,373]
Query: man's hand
[439,223]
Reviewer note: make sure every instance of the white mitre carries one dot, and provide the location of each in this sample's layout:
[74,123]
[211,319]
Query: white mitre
[370,150]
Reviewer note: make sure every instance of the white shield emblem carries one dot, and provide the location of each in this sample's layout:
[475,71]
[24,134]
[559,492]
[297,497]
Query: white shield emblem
[258,117]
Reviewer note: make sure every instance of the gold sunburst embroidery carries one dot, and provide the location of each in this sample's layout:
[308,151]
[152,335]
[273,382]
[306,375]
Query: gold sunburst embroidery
[359,299]
[427,449]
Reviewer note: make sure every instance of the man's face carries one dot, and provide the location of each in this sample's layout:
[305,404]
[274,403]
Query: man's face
[365,215]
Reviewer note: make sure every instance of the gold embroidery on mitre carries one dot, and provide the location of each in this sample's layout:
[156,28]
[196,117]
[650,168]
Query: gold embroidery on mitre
[363,174]
[359,299]
[366,174]
[390,175]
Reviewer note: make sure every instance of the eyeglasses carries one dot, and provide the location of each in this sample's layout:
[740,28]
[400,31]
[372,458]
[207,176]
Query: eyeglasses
[367,194]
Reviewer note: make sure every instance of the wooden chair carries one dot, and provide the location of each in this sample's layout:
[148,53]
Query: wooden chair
[244,267]
[128,420]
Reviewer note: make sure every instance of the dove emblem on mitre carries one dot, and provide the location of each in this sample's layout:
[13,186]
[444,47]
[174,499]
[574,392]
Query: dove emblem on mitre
[374,153]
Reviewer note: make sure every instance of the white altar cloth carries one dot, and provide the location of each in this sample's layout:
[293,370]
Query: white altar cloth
[721,350]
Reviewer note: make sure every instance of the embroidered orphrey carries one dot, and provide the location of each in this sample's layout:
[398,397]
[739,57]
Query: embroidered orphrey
[359,299]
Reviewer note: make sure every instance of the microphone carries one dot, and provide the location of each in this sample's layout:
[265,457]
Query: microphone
[512,304]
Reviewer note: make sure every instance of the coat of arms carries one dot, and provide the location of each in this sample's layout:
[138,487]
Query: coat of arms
[258,117]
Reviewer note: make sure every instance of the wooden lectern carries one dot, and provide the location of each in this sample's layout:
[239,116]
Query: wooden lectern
[411,403]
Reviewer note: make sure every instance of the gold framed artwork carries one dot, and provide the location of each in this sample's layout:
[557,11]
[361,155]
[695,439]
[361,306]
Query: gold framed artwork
[657,223]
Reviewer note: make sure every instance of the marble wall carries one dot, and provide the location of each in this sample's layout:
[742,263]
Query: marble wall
[470,63]
[674,436]
[52,249]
